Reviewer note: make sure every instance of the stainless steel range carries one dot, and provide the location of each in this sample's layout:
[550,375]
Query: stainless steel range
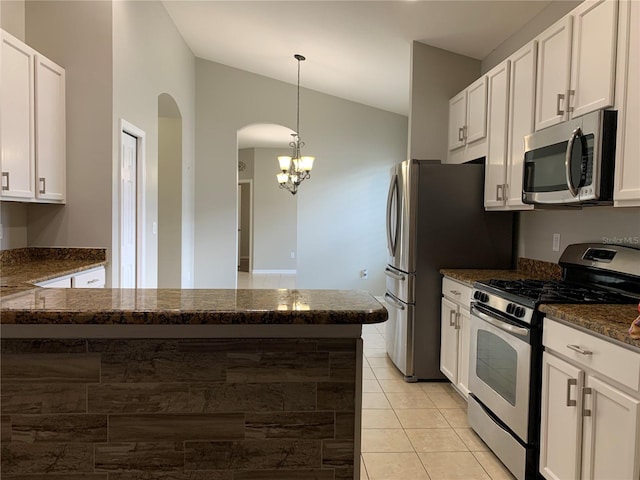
[506,344]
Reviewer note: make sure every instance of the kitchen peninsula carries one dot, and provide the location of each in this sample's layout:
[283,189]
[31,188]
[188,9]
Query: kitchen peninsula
[186,384]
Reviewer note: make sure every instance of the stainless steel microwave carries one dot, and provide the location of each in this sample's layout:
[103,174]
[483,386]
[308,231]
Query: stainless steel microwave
[571,163]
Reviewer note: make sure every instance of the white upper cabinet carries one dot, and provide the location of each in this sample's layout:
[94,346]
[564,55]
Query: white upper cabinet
[16,119]
[50,129]
[468,123]
[576,63]
[32,124]
[510,109]
[627,174]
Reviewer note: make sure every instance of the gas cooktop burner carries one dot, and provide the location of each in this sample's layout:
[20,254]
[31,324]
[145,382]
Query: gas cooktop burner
[550,291]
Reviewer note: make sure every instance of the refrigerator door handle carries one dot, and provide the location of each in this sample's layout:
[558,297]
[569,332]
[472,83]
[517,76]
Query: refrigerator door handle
[396,276]
[392,237]
[393,302]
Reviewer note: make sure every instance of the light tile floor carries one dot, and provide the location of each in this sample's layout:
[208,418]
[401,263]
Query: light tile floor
[416,431]
[264,280]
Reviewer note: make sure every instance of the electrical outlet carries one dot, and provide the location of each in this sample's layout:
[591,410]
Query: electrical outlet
[293,254]
[364,273]
[556,242]
[154,227]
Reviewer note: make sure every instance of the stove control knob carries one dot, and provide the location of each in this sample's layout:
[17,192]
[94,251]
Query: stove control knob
[510,308]
[519,311]
[476,295]
[484,297]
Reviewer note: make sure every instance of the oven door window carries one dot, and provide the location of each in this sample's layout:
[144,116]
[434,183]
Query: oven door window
[497,365]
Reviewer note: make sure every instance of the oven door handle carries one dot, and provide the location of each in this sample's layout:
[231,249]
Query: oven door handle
[520,331]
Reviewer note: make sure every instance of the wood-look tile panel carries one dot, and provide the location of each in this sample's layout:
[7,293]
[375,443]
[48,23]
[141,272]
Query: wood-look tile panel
[252,397]
[164,366]
[5,428]
[138,398]
[278,367]
[166,427]
[50,368]
[290,425]
[59,476]
[315,474]
[345,425]
[248,345]
[29,398]
[336,396]
[29,458]
[208,475]
[343,473]
[16,345]
[337,344]
[252,455]
[59,428]
[139,456]
[337,453]
[342,366]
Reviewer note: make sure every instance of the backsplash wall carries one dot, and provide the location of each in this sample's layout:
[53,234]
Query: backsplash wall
[13,223]
[590,224]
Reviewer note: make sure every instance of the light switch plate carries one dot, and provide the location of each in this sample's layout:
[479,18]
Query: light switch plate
[556,242]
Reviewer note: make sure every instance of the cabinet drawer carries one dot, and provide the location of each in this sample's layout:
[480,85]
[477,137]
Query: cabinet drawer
[91,279]
[56,283]
[456,291]
[606,358]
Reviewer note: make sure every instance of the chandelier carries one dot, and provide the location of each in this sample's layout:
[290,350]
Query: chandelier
[295,168]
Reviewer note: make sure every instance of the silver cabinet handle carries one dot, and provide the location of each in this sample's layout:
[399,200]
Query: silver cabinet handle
[457,320]
[505,191]
[460,138]
[452,320]
[464,132]
[499,193]
[93,281]
[5,185]
[581,351]
[570,382]
[585,411]
[43,183]
[393,302]
[394,275]
[570,93]
[455,292]
[558,100]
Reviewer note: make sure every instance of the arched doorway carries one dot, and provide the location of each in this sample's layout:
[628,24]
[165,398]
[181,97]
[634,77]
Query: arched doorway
[169,193]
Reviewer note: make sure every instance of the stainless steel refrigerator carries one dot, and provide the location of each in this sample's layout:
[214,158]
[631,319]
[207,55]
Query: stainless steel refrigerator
[435,219]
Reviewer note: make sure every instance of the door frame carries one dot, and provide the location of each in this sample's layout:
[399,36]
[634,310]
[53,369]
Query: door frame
[141,170]
[250,183]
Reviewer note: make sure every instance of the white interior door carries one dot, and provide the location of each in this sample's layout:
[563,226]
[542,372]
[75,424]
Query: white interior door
[128,211]
[239,222]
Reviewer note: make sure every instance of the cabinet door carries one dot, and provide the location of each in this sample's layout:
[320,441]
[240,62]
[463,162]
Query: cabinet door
[560,419]
[457,114]
[554,61]
[476,125]
[610,438]
[449,340]
[593,58]
[522,91]
[16,118]
[50,129]
[497,115]
[627,171]
[464,336]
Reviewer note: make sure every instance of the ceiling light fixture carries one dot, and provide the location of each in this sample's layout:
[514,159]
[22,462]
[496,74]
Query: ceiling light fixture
[295,168]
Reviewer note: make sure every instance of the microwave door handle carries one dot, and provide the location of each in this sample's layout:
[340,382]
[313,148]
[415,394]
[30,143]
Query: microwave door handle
[567,161]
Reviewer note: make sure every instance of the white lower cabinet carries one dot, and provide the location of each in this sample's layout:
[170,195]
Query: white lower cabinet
[455,333]
[590,424]
[93,278]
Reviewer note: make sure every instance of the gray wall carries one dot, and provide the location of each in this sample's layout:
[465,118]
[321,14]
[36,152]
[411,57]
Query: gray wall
[341,227]
[436,76]
[170,202]
[275,215]
[12,17]
[151,58]
[77,35]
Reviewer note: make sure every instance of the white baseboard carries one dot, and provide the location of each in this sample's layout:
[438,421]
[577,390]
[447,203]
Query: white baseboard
[274,272]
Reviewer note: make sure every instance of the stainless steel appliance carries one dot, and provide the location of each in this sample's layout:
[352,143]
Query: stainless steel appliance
[435,219]
[506,344]
[571,163]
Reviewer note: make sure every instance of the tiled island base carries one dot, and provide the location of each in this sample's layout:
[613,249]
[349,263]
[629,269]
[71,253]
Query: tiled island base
[180,409]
